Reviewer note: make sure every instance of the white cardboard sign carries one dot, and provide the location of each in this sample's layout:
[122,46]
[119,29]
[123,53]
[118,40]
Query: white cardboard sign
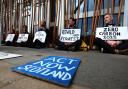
[70,35]
[22,38]
[112,33]
[40,35]
[10,37]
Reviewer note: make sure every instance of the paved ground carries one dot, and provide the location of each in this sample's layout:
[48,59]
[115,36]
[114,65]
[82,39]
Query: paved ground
[96,71]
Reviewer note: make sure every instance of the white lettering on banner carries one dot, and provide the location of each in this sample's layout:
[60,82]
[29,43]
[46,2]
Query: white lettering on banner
[46,67]
[53,65]
[70,35]
[46,72]
[22,38]
[40,35]
[65,67]
[112,33]
[54,59]
[10,37]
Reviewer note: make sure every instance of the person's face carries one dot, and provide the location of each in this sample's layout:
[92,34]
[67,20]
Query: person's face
[108,19]
[71,22]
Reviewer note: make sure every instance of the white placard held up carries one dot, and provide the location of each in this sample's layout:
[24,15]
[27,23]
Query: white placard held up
[40,35]
[10,37]
[70,35]
[112,33]
[22,38]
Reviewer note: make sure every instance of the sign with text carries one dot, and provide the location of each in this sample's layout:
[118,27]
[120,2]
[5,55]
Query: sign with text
[40,35]
[112,33]
[70,35]
[4,55]
[56,69]
[10,37]
[22,38]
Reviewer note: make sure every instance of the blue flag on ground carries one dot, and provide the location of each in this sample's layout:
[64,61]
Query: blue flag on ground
[57,69]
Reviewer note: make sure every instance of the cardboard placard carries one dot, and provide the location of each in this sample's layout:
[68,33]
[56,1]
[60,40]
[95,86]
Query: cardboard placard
[10,37]
[70,35]
[56,69]
[112,33]
[22,38]
[40,35]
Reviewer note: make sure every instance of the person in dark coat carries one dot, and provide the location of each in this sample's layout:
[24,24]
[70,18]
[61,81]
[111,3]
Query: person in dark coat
[110,46]
[69,46]
[38,44]
[8,43]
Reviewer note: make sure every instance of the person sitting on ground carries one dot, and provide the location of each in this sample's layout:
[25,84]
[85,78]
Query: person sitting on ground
[24,31]
[109,46]
[38,43]
[69,46]
[9,43]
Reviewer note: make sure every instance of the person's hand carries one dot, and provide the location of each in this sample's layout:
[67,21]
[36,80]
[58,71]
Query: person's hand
[113,43]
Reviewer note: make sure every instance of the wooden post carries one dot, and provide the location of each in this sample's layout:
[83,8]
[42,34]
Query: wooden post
[59,13]
[54,31]
[66,12]
[72,9]
[113,5]
[119,12]
[78,11]
[96,21]
[93,21]
[85,12]
[108,6]
[34,16]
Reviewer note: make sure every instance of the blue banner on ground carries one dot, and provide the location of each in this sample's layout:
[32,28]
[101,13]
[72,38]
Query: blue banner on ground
[57,69]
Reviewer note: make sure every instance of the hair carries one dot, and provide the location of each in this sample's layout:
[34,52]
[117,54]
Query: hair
[73,19]
[109,15]
[25,27]
[43,23]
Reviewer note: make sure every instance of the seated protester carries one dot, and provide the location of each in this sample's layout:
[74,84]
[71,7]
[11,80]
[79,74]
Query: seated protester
[109,46]
[37,43]
[69,46]
[22,43]
[12,38]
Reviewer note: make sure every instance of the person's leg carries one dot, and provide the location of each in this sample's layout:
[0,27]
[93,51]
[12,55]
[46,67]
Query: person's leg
[8,43]
[60,45]
[75,46]
[103,46]
[36,44]
[122,48]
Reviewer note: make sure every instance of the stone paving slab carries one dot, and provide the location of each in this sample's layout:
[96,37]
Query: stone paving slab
[6,75]
[96,70]
[37,84]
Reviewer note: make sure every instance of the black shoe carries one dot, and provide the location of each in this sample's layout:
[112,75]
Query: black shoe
[123,52]
[37,46]
[72,49]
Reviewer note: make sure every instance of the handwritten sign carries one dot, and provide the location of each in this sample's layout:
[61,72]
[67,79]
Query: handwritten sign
[70,35]
[10,37]
[57,69]
[22,38]
[40,35]
[112,33]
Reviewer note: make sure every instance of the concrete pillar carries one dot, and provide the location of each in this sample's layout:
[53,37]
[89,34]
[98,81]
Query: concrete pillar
[125,13]
[61,15]
[48,15]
